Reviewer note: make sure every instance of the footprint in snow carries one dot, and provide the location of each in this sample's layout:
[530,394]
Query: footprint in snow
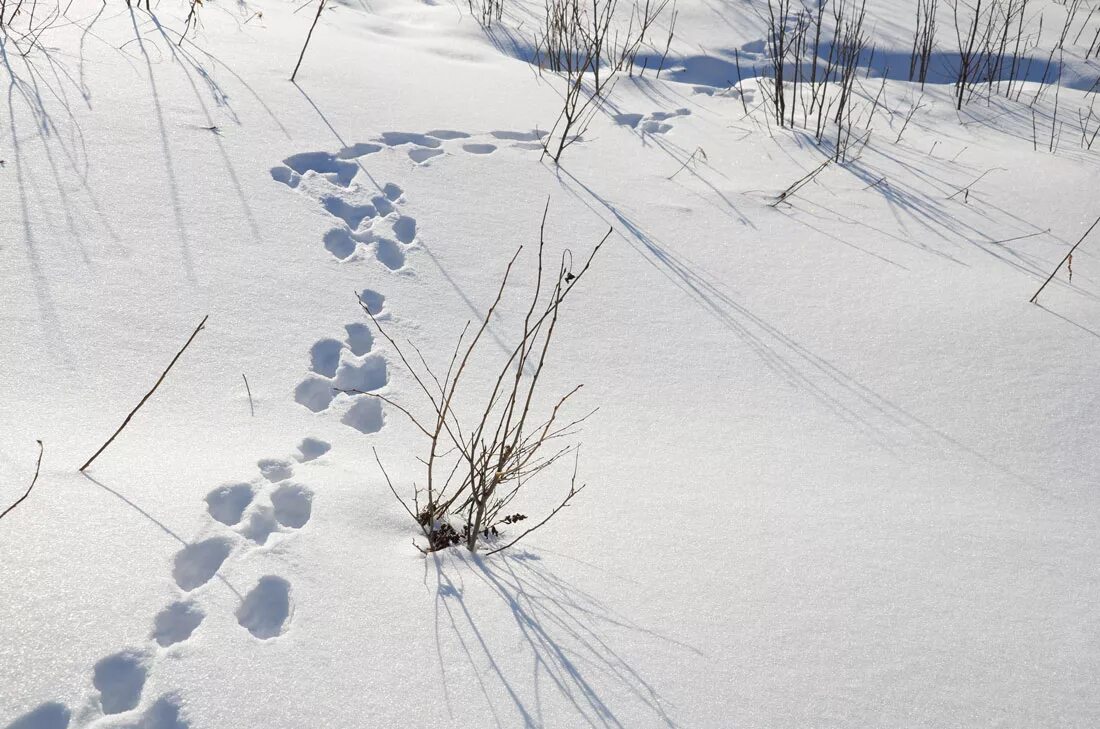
[119,679]
[337,171]
[653,123]
[420,155]
[405,229]
[310,449]
[447,134]
[50,715]
[266,608]
[292,504]
[195,564]
[365,415]
[396,139]
[374,301]
[227,503]
[176,623]
[331,179]
[349,366]
[165,713]
[352,214]
[479,148]
[275,469]
[430,145]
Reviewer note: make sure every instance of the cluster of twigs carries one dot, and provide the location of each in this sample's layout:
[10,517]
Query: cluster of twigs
[991,43]
[924,41]
[477,462]
[802,79]
[485,12]
[582,43]
[24,21]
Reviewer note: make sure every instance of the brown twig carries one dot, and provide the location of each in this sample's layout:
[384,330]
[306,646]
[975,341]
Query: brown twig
[148,394]
[476,464]
[1063,261]
[37,468]
[320,7]
[799,184]
[978,179]
[573,491]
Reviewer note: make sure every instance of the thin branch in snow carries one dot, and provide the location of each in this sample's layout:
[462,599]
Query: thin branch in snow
[148,394]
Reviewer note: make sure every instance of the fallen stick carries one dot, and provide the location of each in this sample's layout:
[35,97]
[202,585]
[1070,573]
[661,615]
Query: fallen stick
[799,184]
[320,8]
[34,480]
[249,391]
[147,395]
[979,178]
[1063,261]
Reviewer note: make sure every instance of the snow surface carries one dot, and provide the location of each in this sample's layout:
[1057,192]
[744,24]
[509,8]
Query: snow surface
[842,472]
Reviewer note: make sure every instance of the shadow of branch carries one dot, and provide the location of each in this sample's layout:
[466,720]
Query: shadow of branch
[567,636]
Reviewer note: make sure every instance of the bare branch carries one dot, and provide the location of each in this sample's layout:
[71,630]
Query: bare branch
[148,394]
[37,468]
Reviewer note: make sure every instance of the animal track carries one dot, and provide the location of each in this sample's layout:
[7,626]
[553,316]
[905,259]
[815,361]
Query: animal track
[532,136]
[196,563]
[479,148]
[390,254]
[370,374]
[120,678]
[447,134]
[261,525]
[163,714]
[176,623]
[293,504]
[266,608]
[362,149]
[324,356]
[373,300]
[420,155]
[227,503]
[331,180]
[359,340]
[382,204]
[396,139]
[653,123]
[51,715]
[359,371]
[365,415]
[328,166]
[340,243]
[627,120]
[314,393]
[313,448]
[405,229]
[353,215]
[275,469]
[431,144]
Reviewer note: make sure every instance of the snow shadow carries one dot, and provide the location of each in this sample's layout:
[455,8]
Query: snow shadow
[51,715]
[726,67]
[567,634]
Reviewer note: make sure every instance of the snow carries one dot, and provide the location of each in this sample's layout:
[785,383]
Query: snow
[842,472]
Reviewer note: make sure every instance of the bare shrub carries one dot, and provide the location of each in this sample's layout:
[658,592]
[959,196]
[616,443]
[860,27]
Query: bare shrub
[984,34]
[480,457]
[581,43]
[924,41]
[485,12]
[795,44]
